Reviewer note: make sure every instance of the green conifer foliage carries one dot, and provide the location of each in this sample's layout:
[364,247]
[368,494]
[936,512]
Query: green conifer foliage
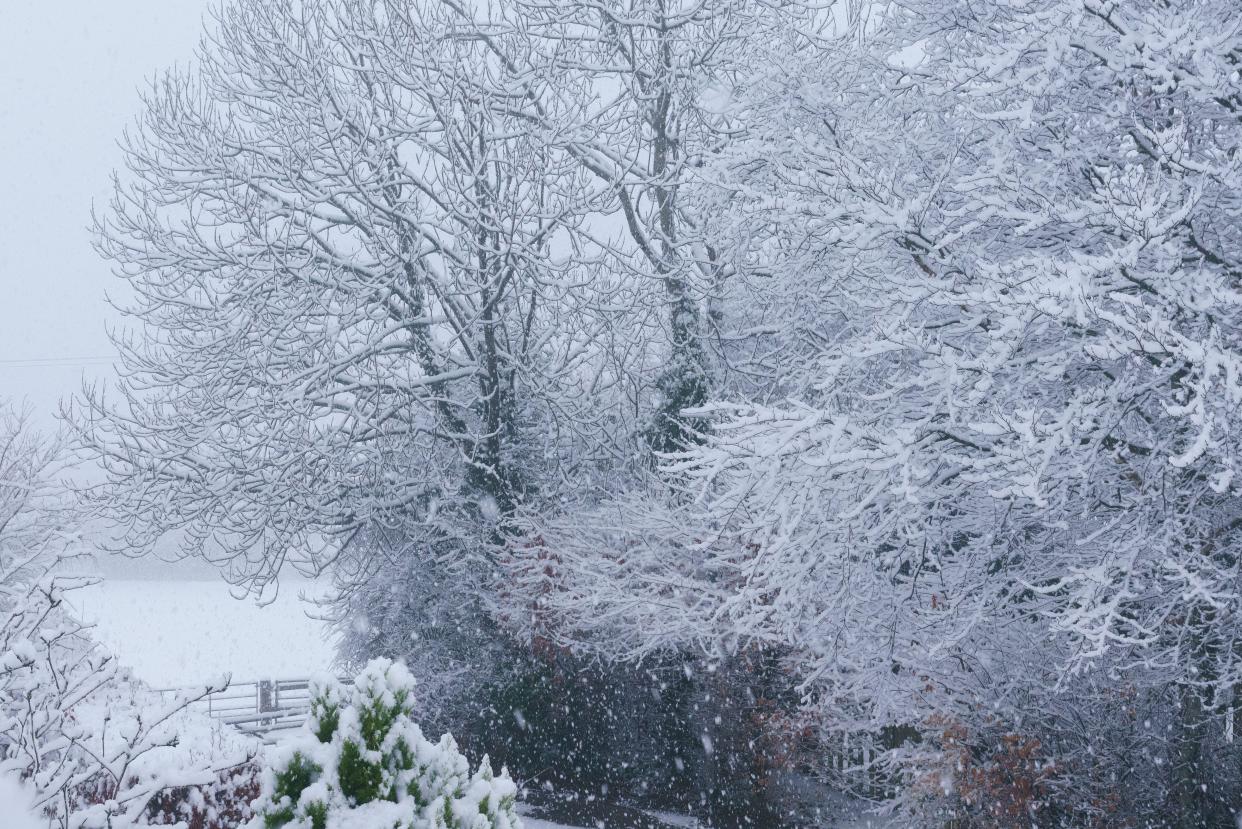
[362,758]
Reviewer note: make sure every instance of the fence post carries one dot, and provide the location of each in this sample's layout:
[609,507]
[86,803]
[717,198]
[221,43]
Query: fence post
[266,697]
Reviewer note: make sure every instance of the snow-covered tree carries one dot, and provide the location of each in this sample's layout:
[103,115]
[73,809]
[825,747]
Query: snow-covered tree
[35,528]
[648,66]
[358,276]
[407,266]
[1000,469]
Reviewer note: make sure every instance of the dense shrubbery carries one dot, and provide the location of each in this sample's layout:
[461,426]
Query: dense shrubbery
[364,762]
[679,733]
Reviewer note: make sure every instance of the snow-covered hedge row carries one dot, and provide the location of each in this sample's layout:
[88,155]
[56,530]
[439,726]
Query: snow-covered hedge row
[363,763]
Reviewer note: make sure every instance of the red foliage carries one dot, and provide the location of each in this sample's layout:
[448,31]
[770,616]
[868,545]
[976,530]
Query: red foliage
[1000,781]
[224,804]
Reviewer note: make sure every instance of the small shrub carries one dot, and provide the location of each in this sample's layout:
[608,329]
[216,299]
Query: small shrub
[363,759]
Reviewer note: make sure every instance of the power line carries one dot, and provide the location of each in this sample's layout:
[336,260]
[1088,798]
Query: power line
[57,362]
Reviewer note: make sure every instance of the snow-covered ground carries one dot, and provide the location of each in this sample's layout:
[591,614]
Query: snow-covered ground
[536,823]
[15,805]
[178,633]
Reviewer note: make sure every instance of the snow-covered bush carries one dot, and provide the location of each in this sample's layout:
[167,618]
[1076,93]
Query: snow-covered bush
[89,745]
[94,747]
[363,762]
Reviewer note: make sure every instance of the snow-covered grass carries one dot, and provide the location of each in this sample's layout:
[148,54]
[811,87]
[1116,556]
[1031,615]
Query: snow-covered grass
[178,633]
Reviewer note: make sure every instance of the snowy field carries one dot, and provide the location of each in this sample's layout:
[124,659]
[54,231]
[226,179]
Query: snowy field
[178,633]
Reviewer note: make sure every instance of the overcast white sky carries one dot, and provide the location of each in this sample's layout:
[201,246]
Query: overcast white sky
[70,77]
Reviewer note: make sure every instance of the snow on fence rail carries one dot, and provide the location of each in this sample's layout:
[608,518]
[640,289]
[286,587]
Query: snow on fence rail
[259,708]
